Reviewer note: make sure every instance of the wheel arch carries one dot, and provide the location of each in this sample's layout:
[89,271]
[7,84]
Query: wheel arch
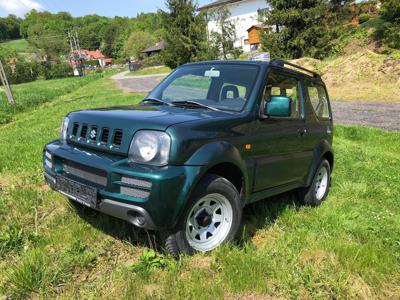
[223,159]
[322,151]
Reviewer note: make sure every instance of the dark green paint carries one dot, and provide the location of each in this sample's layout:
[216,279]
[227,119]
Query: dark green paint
[284,152]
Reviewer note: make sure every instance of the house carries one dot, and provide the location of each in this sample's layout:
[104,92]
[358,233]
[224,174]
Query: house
[254,39]
[245,14]
[87,55]
[156,49]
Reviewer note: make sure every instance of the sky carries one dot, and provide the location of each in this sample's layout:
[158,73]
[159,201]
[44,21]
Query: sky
[109,8]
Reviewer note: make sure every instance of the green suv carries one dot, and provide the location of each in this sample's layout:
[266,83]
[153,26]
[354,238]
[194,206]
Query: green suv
[211,138]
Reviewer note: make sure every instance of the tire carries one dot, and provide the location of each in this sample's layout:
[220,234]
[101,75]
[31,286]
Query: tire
[212,217]
[317,192]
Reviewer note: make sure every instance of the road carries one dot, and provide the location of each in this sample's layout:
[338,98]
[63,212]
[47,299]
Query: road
[371,114]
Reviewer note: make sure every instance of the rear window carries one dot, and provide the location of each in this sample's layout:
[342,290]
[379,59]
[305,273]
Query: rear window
[319,100]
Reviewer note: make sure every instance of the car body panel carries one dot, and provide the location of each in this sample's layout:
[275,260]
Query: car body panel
[273,155]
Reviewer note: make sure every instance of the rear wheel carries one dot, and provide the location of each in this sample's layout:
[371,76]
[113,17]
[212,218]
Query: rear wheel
[212,217]
[317,192]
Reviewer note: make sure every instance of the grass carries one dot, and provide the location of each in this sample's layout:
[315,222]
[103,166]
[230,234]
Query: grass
[20,45]
[151,71]
[347,248]
[29,95]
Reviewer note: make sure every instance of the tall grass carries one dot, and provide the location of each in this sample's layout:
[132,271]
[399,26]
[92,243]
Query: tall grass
[29,95]
[349,247]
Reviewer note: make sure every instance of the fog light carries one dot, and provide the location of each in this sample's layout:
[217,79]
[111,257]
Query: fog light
[137,218]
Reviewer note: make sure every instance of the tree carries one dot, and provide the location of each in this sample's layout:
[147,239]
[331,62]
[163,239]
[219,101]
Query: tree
[185,33]
[303,28]
[47,32]
[9,28]
[390,12]
[224,40]
[137,42]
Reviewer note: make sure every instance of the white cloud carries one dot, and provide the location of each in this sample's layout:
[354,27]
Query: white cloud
[19,7]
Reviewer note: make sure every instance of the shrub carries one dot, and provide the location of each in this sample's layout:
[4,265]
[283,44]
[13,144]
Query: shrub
[363,18]
[22,71]
[151,61]
[59,70]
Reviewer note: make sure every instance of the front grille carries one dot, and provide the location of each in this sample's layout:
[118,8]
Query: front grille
[105,135]
[75,129]
[117,138]
[96,135]
[93,133]
[136,182]
[137,193]
[87,173]
[84,131]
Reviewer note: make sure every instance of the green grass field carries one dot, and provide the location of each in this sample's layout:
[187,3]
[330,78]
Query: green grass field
[29,95]
[347,248]
[150,71]
[20,45]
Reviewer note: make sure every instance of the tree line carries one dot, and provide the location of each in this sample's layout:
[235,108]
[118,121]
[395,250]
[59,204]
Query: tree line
[295,29]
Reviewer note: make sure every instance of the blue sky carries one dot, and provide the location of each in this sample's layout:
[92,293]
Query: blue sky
[108,8]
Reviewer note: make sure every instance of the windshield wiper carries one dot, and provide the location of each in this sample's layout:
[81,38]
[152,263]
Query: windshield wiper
[194,103]
[155,100]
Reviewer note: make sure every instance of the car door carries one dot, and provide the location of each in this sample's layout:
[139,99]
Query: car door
[278,149]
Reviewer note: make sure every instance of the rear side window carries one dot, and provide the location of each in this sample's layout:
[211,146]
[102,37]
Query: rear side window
[319,100]
[284,85]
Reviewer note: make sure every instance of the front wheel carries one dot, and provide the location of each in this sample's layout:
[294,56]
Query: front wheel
[317,192]
[212,217]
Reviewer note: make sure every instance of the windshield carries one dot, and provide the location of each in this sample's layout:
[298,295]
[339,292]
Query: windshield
[220,86]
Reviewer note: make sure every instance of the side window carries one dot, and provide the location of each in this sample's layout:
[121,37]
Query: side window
[286,86]
[319,100]
[188,87]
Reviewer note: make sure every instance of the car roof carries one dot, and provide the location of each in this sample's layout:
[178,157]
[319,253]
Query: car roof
[261,63]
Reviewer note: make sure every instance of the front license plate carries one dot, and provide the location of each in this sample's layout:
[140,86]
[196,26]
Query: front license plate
[79,192]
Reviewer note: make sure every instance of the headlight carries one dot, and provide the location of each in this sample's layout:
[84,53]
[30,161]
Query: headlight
[150,147]
[64,128]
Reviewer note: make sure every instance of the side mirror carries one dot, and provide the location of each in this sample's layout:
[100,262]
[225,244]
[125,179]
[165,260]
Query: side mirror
[279,106]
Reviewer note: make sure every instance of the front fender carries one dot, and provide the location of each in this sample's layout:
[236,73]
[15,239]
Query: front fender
[215,153]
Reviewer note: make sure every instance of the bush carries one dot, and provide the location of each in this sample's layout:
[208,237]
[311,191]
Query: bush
[391,35]
[151,61]
[54,71]
[363,18]
[390,12]
[22,72]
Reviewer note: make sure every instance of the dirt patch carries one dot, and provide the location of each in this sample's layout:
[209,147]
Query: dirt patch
[201,262]
[250,296]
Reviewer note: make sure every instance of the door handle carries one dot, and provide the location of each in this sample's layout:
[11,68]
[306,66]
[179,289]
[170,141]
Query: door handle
[302,131]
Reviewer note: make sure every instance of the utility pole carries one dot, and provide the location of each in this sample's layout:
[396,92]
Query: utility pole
[6,86]
[76,56]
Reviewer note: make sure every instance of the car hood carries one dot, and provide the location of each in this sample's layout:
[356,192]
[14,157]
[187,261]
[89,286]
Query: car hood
[130,119]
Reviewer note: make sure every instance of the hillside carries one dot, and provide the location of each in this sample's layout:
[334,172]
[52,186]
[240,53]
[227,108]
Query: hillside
[20,46]
[362,76]
[363,69]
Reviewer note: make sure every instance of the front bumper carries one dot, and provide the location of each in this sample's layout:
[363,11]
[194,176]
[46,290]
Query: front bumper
[145,196]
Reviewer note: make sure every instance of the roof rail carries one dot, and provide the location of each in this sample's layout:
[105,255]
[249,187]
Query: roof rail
[282,63]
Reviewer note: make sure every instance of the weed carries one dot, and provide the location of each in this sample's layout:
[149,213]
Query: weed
[149,261]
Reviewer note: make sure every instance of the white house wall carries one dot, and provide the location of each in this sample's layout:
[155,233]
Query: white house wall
[244,14]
